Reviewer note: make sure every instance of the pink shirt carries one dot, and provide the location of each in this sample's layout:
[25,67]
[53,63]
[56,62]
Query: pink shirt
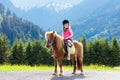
[66,34]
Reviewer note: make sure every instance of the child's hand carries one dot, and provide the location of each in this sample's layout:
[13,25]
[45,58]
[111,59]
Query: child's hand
[68,37]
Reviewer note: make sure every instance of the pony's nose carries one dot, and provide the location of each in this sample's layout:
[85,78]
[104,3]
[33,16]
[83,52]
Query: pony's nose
[47,46]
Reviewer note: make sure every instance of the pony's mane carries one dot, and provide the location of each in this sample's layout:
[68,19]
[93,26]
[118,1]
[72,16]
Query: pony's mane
[59,41]
[47,34]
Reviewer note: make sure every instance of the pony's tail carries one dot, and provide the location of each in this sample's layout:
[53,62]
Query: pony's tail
[79,58]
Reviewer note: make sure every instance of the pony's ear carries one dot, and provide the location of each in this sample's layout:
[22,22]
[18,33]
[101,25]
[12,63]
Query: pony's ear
[53,32]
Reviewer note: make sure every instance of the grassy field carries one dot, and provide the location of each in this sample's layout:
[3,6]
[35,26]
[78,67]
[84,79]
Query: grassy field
[7,68]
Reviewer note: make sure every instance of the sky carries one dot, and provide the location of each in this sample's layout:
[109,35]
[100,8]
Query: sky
[28,4]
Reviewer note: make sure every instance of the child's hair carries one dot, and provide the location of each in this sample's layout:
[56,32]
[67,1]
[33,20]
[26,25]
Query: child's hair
[65,22]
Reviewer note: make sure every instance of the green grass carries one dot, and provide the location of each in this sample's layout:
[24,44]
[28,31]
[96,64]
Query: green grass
[102,67]
[7,68]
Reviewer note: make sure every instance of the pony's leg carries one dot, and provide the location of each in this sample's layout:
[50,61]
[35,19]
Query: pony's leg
[61,66]
[74,63]
[55,66]
[68,56]
[81,66]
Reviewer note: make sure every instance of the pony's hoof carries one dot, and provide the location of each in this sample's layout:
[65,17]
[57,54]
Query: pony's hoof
[61,74]
[54,74]
[73,72]
[81,73]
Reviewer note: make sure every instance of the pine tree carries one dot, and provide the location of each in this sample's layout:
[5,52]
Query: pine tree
[90,57]
[105,48]
[32,53]
[18,55]
[97,54]
[29,53]
[114,55]
[4,47]
[14,51]
[21,53]
[38,54]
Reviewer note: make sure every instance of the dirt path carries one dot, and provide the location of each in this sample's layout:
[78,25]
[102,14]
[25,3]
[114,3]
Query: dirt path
[47,75]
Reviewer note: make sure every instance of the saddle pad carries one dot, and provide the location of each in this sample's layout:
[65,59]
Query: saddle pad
[71,46]
[72,49]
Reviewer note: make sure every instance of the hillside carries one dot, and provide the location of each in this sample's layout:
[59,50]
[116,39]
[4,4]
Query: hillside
[15,27]
[48,17]
[92,18]
[103,22]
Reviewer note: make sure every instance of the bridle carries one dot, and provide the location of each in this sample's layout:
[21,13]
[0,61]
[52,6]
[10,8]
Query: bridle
[52,42]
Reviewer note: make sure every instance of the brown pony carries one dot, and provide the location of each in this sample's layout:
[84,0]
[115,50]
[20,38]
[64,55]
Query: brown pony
[56,42]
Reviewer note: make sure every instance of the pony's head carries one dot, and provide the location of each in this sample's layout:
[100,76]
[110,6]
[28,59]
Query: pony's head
[52,38]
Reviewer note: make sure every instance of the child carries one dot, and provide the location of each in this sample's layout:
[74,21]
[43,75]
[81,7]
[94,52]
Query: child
[67,34]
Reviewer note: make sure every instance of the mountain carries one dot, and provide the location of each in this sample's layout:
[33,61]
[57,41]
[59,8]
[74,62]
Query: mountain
[92,18]
[51,15]
[104,22]
[15,27]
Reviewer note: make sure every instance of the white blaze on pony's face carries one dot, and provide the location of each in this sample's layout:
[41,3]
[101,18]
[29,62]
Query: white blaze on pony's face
[50,38]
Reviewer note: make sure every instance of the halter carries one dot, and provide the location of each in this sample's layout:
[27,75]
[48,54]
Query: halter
[52,41]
